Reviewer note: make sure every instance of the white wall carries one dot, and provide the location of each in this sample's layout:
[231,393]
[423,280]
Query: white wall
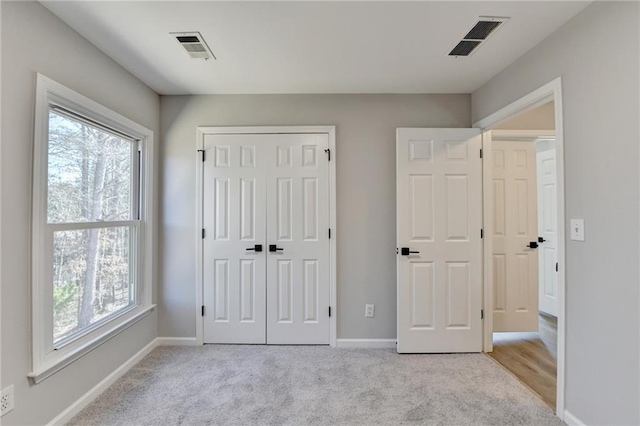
[34,40]
[366,216]
[597,55]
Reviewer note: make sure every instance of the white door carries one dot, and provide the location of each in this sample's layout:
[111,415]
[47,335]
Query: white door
[262,190]
[547,225]
[298,230]
[515,264]
[439,220]
[234,209]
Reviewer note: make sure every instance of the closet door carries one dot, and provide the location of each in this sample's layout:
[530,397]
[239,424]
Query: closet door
[235,229]
[297,239]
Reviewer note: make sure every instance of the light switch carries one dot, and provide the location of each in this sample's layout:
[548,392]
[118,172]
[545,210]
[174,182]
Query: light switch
[577,229]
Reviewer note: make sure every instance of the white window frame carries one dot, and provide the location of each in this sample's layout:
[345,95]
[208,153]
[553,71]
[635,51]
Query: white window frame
[47,359]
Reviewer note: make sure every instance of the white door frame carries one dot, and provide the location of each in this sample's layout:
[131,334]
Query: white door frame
[261,130]
[549,92]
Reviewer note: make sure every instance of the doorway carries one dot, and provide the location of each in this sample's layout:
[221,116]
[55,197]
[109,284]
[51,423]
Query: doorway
[524,251]
[524,254]
[267,250]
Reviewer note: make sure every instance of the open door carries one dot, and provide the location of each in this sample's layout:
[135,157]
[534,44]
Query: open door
[439,221]
[515,236]
[548,229]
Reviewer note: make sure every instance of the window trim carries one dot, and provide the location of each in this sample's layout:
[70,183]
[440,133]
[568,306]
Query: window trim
[45,358]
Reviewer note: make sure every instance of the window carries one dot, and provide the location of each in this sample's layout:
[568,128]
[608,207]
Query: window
[91,266]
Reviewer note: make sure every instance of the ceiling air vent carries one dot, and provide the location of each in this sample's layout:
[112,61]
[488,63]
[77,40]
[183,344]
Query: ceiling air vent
[479,33]
[194,44]
[464,48]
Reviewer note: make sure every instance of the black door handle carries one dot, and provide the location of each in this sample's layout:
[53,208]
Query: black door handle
[541,240]
[533,245]
[257,248]
[406,252]
[274,248]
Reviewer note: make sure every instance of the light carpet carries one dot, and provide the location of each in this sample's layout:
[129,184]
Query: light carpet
[312,385]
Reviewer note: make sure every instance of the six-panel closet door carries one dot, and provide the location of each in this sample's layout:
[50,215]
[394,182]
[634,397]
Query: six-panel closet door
[266,246]
[298,225]
[234,271]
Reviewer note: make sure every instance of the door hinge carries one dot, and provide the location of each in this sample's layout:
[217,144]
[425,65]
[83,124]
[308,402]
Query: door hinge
[203,154]
[329,311]
[556,266]
[481,314]
[482,233]
[328,151]
[202,310]
[329,233]
[203,233]
[480,153]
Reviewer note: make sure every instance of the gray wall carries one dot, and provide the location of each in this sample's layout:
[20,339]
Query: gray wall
[34,40]
[365,144]
[596,53]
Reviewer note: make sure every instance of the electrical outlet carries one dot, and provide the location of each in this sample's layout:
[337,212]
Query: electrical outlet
[6,401]
[369,311]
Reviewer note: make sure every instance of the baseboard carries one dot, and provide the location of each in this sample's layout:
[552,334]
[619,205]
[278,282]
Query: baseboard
[88,397]
[572,420]
[366,343]
[177,341]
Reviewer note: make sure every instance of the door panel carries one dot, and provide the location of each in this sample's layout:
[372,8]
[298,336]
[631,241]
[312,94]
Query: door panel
[266,189]
[439,215]
[515,226]
[547,225]
[234,277]
[298,224]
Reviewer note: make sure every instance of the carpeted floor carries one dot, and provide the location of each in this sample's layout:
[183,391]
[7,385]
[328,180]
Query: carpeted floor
[307,385]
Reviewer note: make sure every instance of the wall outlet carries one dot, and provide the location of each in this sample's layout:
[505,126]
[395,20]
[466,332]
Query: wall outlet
[369,311]
[6,401]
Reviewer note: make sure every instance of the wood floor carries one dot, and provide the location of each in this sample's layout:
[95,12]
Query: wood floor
[531,357]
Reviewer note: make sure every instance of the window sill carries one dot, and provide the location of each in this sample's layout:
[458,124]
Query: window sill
[46,370]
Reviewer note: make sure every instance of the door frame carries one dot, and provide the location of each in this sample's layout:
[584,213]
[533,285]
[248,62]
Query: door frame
[551,91]
[202,131]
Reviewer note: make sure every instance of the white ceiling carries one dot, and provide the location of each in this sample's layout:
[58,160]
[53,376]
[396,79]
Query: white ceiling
[312,47]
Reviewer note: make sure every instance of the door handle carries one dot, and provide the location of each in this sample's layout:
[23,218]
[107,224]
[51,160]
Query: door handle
[257,248]
[405,251]
[541,240]
[273,248]
[533,245]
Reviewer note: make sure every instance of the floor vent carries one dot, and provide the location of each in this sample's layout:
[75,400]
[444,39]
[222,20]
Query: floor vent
[479,33]
[194,45]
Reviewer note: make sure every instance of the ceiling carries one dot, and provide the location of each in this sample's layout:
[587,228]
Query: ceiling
[312,47]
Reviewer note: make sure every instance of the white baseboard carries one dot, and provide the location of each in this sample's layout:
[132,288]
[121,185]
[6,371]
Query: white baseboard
[366,343]
[177,341]
[572,420]
[88,397]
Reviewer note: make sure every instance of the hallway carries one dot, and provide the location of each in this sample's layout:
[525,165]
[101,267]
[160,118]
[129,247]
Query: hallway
[531,357]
